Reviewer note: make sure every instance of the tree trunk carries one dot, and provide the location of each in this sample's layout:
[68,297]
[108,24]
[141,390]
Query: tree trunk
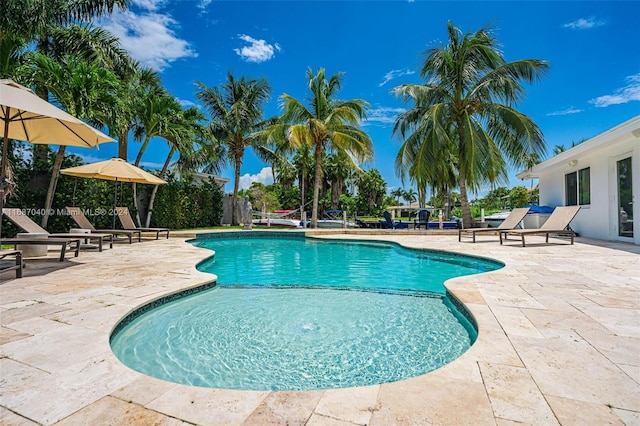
[316,186]
[134,188]
[467,218]
[155,188]
[41,152]
[422,195]
[234,199]
[143,148]
[336,191]
[134,185]
[123,145]
[57,164]
[301,181]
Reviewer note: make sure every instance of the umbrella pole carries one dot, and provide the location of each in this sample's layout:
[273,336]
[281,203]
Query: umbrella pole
[3,164]
[115,203]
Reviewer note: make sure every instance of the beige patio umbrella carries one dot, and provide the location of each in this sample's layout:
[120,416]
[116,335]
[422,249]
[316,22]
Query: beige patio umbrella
[27,117]
[115,169]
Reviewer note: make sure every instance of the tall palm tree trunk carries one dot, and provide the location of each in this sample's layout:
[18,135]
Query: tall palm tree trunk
[134,188]
[316,186]
[123,144]
[134,185]
[336,192]
[467,218]
[236,187]
[51,191]
[143,148]
[301,180]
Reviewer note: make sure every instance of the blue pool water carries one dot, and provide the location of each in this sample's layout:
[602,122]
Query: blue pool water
[303,314]
[334,263]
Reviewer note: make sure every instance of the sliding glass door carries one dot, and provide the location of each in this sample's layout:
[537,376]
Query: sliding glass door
[625,198]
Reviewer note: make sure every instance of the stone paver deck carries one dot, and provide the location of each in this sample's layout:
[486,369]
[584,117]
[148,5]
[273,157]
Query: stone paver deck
[559,343]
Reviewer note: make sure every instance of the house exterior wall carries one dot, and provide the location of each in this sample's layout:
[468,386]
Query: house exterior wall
[600,218]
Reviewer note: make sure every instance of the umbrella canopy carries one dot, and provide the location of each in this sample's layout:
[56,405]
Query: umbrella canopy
[27,117]
[115,169]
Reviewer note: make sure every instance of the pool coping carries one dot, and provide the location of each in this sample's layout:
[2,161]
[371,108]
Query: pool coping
[551,308]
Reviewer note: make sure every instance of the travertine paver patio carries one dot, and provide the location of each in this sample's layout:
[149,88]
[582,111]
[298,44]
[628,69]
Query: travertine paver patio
[559,343]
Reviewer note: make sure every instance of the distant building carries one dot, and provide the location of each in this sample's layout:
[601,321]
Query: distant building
[602,175]
[203,177]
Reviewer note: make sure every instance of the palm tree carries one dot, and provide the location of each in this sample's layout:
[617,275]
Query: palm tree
[12,55]
[531,160]
[52,26]
[372,190]
[182,132]
[338,169]
[286,174]
[409,195]
[327,125]
[100,49]
[84,90]
[465,110]
[155,114]
[303,161]
[397,193]
[33,19]
[154,119]
[93,44]
[236,109]
[558,149]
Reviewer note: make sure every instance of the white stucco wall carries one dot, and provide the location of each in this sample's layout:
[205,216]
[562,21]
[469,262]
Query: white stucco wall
[600,218]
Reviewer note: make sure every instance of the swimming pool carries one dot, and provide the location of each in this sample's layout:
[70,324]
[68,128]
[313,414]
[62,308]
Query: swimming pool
[301,314]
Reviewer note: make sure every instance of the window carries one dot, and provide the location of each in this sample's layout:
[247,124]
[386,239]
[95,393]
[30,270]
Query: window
[578,187]
[571,188]
[584,186]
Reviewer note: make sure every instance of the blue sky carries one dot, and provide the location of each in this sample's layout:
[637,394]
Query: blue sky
[593,48]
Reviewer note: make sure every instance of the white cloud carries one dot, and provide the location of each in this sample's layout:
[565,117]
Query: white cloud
[89,159]
[383,115]
[149,37]
[202,5]
[257,50]
[149,4]
[149,165]
[584,24]
[567,111]
[628,93]
[186,103]
[394,74]
[264,176]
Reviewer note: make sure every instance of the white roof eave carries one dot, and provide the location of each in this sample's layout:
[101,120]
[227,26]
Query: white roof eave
[631,126]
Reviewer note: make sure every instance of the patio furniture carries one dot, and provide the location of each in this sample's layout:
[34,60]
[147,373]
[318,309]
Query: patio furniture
[72,244]
[24,222]
[557,224]
[78,216]
[127,223]
[387,223]
[422,219]
[14,264]
[510,222]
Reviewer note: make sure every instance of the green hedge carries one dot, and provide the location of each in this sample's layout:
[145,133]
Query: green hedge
[183,204]
[178,205]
